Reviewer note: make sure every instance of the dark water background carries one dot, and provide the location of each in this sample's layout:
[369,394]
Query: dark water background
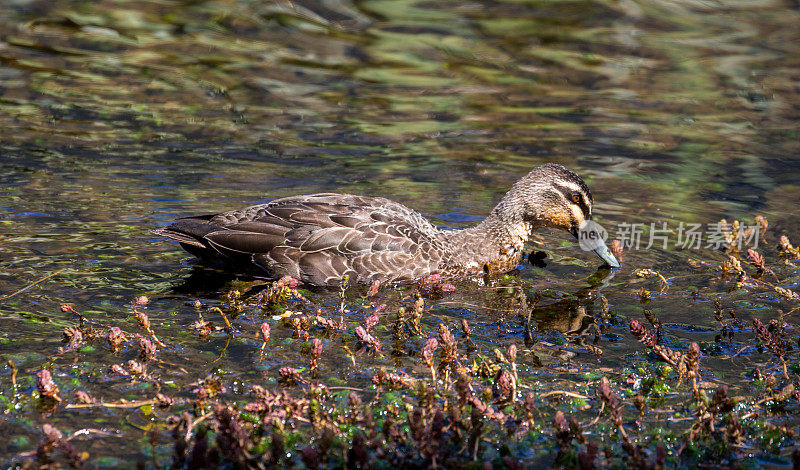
[117,117]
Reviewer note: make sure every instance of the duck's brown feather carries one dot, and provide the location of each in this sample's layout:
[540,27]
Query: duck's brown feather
[319,238]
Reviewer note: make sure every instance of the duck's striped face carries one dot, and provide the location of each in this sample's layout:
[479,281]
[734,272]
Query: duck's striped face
[568,201]
[568,205]
[576,202]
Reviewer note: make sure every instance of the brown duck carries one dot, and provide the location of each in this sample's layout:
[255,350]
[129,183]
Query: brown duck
[320,238]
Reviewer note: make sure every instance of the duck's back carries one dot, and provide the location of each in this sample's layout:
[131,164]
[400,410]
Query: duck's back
[319,239]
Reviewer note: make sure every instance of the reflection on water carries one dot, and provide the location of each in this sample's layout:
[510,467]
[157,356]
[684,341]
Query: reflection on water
[118,116]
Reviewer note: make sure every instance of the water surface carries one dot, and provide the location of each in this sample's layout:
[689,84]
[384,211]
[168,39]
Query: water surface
[118,117]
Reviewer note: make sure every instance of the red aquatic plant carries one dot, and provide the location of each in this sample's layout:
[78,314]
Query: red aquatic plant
[290,376]
[316,352]
[301,326]
[647,338]
[370,322]
[83,397]
[786,249]
[119,370]
[147,349]
[164,401]
[328,324]
[73,337]
[689,365]
[46,386]
[116,338]
[367,340]
[392,380]
[374,288]
[773,342]
[233,435]
[430,347]
[52,440]
[435,285]
[616,249]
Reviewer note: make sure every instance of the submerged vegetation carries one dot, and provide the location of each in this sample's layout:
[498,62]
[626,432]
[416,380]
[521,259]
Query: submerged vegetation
[426,391]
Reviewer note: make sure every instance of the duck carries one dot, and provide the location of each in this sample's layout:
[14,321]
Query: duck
[326,239]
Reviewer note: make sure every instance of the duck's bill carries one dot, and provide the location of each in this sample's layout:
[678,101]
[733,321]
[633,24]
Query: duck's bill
[605,254]
[591,237]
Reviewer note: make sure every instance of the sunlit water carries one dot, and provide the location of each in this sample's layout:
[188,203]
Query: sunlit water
[117,117]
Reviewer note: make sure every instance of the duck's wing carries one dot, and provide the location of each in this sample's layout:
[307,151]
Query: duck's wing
[320,238]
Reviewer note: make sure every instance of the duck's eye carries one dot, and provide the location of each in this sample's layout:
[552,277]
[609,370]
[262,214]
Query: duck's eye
[576,198]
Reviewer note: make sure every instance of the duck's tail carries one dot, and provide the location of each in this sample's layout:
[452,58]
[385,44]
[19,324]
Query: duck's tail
[190,233]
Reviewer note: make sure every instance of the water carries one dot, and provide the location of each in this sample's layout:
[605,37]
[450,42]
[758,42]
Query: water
[118,117]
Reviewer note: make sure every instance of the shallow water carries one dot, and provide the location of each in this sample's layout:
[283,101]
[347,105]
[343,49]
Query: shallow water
[118,117]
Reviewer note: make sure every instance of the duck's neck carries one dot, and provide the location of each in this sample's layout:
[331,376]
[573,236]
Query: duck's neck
[494,245]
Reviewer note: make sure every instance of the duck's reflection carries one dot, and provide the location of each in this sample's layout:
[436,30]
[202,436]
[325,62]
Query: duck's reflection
[570,320]
[568,314]
[580,317]
[204,282]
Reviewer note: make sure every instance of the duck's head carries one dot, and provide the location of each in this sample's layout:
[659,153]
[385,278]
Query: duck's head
[554,196]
